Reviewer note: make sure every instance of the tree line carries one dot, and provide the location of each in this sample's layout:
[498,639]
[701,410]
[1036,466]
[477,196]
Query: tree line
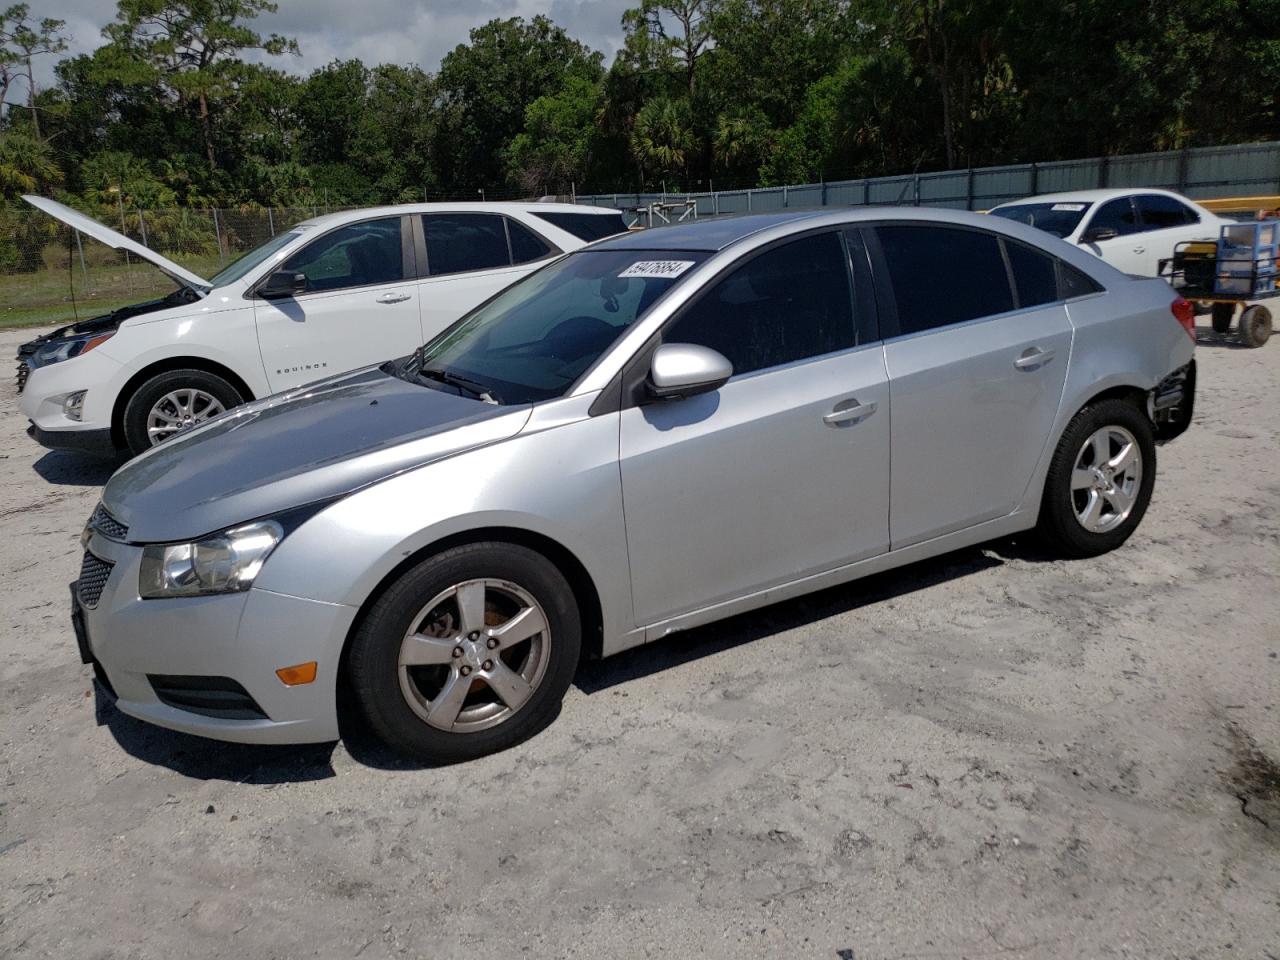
[189,104]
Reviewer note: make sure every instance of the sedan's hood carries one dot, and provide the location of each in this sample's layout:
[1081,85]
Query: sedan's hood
[113,238]
[311,444]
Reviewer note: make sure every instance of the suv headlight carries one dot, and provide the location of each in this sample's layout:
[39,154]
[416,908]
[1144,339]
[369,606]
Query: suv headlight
[55,351]
[226,562]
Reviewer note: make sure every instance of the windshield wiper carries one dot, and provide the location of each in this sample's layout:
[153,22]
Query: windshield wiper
[475,388]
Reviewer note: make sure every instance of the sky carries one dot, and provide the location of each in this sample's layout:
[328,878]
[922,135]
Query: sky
[385,31]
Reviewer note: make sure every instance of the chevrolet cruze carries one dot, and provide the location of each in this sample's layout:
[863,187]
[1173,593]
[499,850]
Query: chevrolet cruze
[656,431]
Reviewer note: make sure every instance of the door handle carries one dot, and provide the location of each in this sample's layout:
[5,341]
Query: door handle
[1035,357]
[393,298]
[1139,249]
[856,411]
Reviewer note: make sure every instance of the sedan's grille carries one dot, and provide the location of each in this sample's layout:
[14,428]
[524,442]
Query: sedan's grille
[24,371]
[93,577]
[107,525]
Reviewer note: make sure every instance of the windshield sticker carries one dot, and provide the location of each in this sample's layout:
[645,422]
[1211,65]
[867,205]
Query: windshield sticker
[1073,207]
[663,269]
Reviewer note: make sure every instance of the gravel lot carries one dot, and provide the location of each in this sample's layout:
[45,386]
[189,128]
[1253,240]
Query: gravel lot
[992,753]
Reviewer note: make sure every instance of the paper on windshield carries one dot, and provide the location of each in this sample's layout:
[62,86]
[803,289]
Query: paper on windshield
[661,269]
[1073,207]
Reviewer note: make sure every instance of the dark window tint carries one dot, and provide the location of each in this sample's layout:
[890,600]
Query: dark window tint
[1074,283]
[786,304]
[351,256]
[1158,212]
[1115,215]
[943,275]
[1034,275]
[525,244]
[586,226]
[465,241]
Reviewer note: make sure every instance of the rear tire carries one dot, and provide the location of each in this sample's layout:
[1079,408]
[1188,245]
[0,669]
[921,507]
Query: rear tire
[1255,326]
[432,671]
[1222,315]
[149,410]
[1100,480]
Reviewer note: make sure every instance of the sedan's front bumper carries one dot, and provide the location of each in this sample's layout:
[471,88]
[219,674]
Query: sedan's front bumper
[179,663]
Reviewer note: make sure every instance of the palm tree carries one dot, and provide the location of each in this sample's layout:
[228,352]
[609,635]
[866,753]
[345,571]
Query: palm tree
[26,165]
[662,138]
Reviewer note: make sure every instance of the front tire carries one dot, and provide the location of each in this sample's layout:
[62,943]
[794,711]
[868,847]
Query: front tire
[467,653]
[1100,480]
[174,401]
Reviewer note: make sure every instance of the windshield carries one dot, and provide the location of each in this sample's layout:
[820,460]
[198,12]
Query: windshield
[238,267]
[1060,219]
[535,339]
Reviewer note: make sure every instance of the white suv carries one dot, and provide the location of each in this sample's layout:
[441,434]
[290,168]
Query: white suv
[330,294]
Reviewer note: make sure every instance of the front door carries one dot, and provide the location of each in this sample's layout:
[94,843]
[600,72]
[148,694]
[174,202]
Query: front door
[784,471]
[360,305]
[976,371]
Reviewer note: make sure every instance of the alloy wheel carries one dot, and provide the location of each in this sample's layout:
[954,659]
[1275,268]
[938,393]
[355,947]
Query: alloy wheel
[180,410]
[474,655]
[1106,479]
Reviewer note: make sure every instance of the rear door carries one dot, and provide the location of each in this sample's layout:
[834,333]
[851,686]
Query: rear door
[360,305]
[470,257]
[784,471]
[976,369]
[1166,221]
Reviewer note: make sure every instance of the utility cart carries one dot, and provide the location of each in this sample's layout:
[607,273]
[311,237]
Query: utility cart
[1242,266]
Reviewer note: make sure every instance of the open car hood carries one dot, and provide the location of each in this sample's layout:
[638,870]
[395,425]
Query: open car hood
[116,240]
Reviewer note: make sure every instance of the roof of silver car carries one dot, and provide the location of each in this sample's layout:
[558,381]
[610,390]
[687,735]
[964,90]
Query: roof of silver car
[705,234]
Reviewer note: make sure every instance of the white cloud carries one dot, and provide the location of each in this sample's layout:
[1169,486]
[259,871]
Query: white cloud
[375,31]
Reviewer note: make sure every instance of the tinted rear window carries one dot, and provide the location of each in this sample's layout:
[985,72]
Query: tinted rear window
[1034,274]
[586,226]
[457,242]
[944,275]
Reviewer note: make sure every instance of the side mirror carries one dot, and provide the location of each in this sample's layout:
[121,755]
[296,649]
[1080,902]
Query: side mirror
[283,283]
[1094,234]
[686,370]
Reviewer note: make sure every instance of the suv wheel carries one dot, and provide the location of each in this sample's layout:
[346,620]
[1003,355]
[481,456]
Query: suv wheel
[174,401]
[1100,479]
[469,652]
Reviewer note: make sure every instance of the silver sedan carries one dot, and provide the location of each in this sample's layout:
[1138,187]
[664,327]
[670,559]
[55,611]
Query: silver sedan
[654,432]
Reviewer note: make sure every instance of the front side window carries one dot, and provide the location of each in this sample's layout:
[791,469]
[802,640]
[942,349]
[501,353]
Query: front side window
[240,266]
[943,275]
[1117,215]
[789,303]
[1158,212]
[459,242]
[356,255]
[535,339]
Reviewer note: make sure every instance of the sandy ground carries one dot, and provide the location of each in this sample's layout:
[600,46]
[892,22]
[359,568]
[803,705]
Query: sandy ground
[993,753]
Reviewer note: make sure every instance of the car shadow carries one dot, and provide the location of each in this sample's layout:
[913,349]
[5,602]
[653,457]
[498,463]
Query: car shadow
[203,759]
[1207,337]
[69,468]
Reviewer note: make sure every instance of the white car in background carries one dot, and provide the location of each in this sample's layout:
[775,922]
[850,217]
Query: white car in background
[331,294]
[1131,229]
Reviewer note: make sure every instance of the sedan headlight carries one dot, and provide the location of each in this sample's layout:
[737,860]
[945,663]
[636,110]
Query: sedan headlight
[55,351]
[226,562]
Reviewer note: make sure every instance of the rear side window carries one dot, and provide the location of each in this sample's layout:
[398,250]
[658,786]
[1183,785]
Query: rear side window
[1117,215]
[1075,283]
[458,242]
[586,226]
[943,275]
[356,255]
[1158,212]
[526,245]
[1035,276]
[786,304]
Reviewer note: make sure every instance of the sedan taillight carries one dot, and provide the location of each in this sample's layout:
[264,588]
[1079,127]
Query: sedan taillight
[1185,314]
